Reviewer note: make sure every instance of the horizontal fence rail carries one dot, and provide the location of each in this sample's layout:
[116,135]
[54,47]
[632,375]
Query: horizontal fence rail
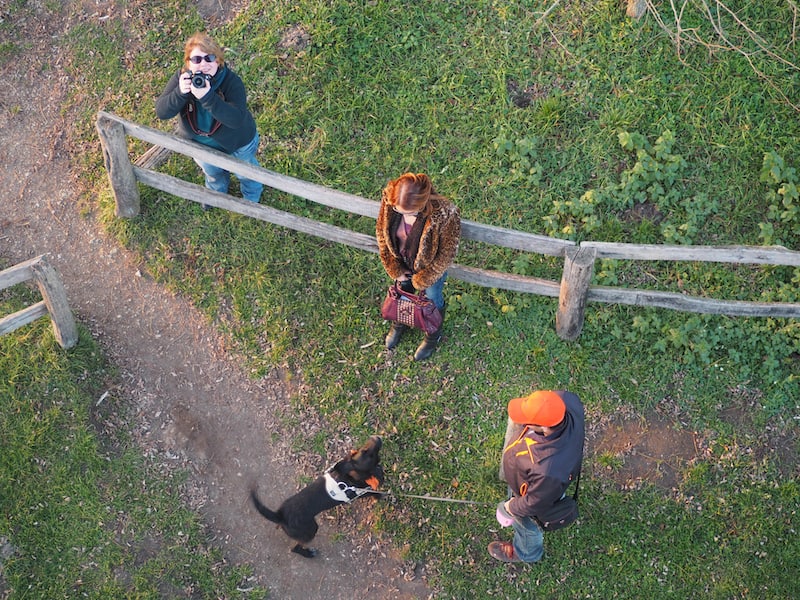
[54,301]
[764,255]
[573,291]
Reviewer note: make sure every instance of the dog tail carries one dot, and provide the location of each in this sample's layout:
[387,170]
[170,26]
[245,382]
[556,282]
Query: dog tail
[275,517]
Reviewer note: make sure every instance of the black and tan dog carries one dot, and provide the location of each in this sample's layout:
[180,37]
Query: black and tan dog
[350,478]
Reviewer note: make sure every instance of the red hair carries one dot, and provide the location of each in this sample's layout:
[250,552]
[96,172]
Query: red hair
[207,44]
[411,192]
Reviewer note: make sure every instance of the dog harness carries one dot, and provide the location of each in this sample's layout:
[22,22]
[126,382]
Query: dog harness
[342,492]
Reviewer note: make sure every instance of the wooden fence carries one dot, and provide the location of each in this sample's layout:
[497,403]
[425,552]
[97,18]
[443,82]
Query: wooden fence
[573,291]
[54,301]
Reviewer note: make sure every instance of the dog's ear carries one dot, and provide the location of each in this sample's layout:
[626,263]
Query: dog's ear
[359,476]
[365,473]
[355,475]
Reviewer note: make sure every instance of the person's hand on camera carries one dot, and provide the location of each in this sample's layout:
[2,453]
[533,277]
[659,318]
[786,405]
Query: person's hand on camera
[185,82]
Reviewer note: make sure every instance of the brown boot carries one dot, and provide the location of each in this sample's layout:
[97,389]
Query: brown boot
[394,335]
[428,345]
[431,341]
[503,551]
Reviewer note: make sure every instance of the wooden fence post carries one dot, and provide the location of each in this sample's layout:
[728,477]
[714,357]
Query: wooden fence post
[55,298]
[119,167]
[575,280]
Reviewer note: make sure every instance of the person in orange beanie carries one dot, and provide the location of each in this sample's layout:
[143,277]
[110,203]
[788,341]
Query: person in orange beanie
[542,456]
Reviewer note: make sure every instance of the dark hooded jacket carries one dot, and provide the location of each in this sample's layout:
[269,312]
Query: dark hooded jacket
[539,469]
[433,242]
[233,124]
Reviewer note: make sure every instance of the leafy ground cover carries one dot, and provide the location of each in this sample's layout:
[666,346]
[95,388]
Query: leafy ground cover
[586,125]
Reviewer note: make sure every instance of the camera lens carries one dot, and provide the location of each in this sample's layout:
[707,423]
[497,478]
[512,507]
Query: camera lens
[199,80]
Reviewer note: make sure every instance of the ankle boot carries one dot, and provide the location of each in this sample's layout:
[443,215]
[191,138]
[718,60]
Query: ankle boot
[394,335]
[428,345]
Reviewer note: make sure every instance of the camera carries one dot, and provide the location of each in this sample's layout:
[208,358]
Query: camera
[199,79]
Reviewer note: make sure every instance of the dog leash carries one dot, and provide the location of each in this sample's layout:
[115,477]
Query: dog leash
[435,498]
[340,491]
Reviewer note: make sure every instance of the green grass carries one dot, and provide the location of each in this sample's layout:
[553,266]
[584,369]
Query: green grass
[430,86]
[82,514]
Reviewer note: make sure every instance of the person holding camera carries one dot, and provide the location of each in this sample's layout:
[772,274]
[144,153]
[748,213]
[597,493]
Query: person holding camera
[212,103]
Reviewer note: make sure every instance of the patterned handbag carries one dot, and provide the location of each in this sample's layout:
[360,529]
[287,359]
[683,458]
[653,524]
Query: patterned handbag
[413,310]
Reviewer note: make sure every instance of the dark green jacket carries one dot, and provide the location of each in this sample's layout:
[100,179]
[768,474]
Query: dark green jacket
[233,125]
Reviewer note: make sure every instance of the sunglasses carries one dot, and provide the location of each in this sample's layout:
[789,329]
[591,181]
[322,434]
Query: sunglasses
[196,60]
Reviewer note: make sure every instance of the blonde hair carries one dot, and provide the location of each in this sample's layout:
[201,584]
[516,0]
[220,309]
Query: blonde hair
[411,192]
[206,43]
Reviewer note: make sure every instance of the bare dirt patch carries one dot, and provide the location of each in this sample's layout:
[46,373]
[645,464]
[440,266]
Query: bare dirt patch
[644,449]
[191,405]
[643,211]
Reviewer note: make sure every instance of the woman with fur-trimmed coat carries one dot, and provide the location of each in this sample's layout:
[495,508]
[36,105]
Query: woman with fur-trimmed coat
[418,232]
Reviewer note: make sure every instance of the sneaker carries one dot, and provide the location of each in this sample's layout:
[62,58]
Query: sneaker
[503,551]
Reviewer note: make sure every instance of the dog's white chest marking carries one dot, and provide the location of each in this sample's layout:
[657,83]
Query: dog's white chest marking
[342,492]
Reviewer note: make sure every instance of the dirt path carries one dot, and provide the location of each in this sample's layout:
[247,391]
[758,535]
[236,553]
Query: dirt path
[193,407]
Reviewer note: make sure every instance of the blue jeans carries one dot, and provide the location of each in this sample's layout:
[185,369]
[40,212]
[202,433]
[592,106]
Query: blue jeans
[218,179]
[528,539]
[436,291]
